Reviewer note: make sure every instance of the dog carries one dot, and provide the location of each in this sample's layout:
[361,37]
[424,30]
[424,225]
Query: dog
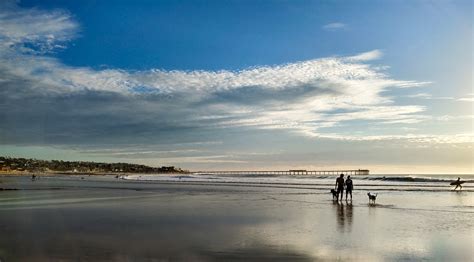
[372,197]
[334,193]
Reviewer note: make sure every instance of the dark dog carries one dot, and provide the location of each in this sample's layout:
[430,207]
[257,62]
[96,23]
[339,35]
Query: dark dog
[334,194]
[372,197]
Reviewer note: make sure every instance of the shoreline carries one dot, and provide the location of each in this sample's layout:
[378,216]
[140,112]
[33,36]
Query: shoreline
[72,173]
[66,173]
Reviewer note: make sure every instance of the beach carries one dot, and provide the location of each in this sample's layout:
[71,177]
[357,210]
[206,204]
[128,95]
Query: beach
[227,218]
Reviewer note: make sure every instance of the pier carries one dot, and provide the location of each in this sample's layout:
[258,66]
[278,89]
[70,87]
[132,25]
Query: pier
[353,172]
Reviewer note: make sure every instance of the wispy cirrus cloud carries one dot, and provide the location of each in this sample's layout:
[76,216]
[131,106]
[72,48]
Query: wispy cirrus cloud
[367,56]
[430,97]
[34,31]
[334,26]
[467,98]
[415,138]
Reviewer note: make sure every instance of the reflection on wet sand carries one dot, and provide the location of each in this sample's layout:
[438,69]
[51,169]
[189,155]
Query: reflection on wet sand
[349,215]
[344,215]
[258,253]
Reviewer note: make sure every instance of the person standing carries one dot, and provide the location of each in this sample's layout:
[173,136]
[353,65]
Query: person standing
[339,187]
[349,187]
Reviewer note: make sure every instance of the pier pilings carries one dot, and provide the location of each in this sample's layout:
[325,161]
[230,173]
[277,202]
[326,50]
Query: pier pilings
[295,172]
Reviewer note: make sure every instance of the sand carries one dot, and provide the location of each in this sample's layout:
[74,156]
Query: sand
[102,218]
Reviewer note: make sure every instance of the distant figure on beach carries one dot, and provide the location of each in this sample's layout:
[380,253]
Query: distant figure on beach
[33,177]
[340,185]
[458,183]
[349,187]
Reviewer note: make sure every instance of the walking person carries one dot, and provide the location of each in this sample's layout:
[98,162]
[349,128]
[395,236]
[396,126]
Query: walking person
[458,183]
[340,185]
[349,187]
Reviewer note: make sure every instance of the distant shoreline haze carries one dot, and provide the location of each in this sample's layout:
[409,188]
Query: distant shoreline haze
[19,165]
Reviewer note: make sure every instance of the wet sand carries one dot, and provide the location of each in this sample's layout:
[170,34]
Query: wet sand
[105,219]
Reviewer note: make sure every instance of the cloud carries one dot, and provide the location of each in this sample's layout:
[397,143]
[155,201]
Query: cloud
[415,138]
[334,26]
[367,56]
[48,102]
[468,98]
[430,97]
[450,118]
[33,30]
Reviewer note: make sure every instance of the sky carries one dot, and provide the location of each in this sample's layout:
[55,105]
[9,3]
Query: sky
[240,85]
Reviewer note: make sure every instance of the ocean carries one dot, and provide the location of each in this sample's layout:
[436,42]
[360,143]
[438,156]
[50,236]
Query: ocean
[320,182]
[142,217]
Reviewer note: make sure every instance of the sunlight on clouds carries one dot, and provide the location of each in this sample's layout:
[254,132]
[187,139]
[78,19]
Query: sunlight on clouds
[468,98]
[423,139]
[44,31]
[367,56]
[305,97]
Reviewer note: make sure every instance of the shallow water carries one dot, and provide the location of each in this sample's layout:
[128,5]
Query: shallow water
[278,219]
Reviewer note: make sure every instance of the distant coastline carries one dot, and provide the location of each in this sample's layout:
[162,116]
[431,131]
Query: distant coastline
[21,166]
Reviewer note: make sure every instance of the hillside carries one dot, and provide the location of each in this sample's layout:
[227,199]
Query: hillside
[9,164]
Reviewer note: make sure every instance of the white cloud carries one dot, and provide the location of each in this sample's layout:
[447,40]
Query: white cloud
[215,159]
[468,98]
[334,26]
[450,118]
[430,97]
[44,31]
[367,56]
[415,138]
[421,95]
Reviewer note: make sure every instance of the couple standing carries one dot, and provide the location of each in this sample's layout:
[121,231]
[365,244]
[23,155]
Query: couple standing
[340,183]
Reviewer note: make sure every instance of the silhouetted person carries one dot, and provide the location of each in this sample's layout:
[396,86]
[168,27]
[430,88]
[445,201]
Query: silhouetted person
[458,183]
[340,185]
[349,187]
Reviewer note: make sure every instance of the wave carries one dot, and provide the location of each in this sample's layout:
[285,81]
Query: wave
[366,181]
[316,187]
[388,178]
[414,179]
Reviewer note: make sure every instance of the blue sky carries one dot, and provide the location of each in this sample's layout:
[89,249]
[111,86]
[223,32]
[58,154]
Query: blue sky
[385,85]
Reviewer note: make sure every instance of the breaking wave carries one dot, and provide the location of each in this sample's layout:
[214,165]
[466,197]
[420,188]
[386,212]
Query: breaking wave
[414,179]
